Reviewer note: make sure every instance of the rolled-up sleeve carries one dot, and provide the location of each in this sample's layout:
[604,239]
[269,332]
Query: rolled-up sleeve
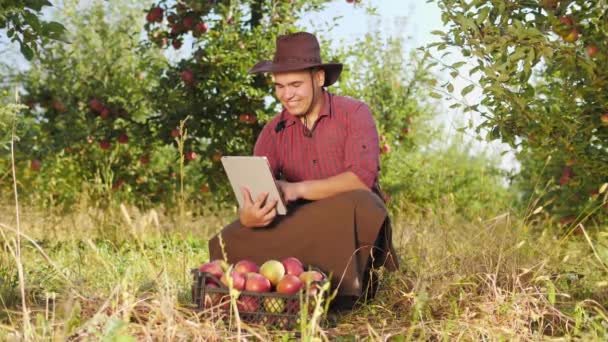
[362,150]
[265,146]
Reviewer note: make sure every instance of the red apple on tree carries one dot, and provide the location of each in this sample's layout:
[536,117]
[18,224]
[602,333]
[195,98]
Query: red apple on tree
[177,43]
[144,159]
[604,119]
[155,15]
[35,165]
[176,132]
[188,77]
[246,266]
[105,144]
[96,105]
[105,113]
[123,138]
[592,50]
[293,266]
[200,28]
[191,155]
[273,270]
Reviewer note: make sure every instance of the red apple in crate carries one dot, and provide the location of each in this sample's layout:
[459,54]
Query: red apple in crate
[211,299]
[238,280]
[274,304]
[256,282]
[293,266]
[311,276]
[212,268]
[248,304]
[273,270]
[223,264]
[289,284]
[246,266]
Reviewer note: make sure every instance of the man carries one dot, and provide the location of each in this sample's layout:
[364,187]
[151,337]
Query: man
[323,150]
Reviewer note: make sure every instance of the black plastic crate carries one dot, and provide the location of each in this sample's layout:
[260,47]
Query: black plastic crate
[265,308]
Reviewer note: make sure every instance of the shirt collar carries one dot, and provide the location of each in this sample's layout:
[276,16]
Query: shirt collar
[325,110]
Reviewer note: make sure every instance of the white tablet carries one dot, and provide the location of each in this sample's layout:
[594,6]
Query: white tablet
[253,173]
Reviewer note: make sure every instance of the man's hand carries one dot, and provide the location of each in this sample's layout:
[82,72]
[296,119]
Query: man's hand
[259,213]
[291,191]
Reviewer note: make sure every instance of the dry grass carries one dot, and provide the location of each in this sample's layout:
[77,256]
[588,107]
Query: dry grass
[491,279]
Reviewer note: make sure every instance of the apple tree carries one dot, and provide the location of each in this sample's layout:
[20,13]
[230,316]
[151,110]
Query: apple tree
[89,103]
[541,68]
[220,41]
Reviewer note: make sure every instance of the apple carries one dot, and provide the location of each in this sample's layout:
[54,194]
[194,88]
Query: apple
[144,159]
[256,282]
[176,132]
[571,37]
[211,299]
[311,276]
[155,15]
[35,165]
[213,268]
[604,119]
[289,284]
[549,4]
[246,266]
[252,119]
[105,113]
[223,264]
[96,105]
[187,76]
[58,106]
[273,270]
[191,155]
[177,43]
[244,118]
[105,144]
[238,280]
[201,28]
[566,21]
[204,188]
[592,50]
[188,23]
[386,148]
[248,304]
[274,304]
[293,266]
[123,138]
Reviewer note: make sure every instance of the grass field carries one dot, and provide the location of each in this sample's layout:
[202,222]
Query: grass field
[123,275]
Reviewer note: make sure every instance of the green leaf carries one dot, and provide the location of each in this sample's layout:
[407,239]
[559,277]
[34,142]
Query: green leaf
[450,88]
[32,20]
[467,89]
[435,95]
[27,52]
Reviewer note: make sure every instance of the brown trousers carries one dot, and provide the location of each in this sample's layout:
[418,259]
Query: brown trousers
[345,235]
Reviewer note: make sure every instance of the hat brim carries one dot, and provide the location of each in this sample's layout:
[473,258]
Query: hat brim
[332,70]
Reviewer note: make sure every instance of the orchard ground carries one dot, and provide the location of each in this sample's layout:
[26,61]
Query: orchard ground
[490,278]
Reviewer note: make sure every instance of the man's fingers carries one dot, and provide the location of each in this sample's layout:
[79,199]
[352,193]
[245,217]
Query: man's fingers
[271,204]
[269,216]
[260,200]
[246,196]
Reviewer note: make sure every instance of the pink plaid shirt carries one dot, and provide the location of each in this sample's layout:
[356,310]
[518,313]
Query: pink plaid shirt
[343,139]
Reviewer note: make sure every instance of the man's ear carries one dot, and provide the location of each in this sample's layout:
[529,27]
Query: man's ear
[320,76]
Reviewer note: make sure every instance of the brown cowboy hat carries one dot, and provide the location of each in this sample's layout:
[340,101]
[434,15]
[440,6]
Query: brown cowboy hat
[298,51]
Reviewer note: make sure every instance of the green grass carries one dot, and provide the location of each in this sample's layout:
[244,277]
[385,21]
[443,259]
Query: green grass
[494,278]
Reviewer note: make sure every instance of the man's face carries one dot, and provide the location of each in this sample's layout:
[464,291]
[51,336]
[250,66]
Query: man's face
[295,89]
